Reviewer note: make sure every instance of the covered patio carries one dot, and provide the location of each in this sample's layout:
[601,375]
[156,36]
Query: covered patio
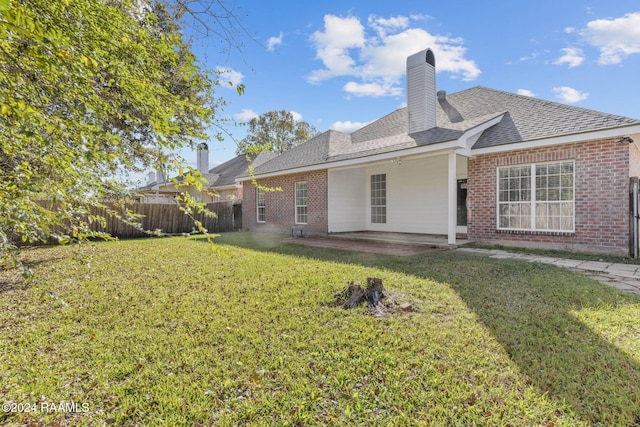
[429,240]
[414,199]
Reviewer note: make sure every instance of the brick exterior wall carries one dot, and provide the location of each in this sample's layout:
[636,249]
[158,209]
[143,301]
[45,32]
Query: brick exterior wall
[227,194]
[634,160]
[280,205]
[601,197]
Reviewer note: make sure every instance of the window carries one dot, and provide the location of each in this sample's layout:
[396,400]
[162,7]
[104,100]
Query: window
[261,206]
[537,197]
[301,202]
[379,199]
[514,192]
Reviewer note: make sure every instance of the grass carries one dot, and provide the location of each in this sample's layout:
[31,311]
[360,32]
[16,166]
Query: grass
[168,332]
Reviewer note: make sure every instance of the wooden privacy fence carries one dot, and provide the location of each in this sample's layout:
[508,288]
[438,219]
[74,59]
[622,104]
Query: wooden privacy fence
[171,220]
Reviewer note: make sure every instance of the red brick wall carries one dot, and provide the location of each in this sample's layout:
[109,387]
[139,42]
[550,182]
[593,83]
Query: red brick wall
[634,160]
[227,194]
[601,197]
[280,205]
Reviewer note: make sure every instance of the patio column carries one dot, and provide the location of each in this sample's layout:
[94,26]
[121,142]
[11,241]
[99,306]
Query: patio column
[452,218]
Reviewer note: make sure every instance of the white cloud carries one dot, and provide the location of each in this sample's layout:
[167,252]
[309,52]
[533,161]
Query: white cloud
[348,127]
[384,25]
[229,77]
[376,55]
[333,45]
[274,42]
[573,57]
[296,116]
[569,95]
[529,57]
[246,115]
[616,38]
[526,92]
[371,89]
[525,58]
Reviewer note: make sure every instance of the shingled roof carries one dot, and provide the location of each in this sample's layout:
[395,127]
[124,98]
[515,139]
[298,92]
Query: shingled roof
[530,118]
[227,172]
[522,119]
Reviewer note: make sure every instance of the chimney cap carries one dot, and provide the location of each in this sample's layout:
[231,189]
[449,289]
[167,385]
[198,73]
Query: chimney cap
[420,58]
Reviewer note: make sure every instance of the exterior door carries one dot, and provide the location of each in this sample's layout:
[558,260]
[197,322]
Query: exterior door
[462,202]
[634,215]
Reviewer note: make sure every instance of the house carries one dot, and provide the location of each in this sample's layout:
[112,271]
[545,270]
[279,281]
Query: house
[221,180]
[497,167]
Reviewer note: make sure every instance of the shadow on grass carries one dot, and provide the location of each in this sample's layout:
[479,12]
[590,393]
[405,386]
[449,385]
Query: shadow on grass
[12,279]
[531,310]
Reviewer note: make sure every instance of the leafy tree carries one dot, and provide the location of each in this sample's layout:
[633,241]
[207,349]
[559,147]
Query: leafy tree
[89,89]
[275,131]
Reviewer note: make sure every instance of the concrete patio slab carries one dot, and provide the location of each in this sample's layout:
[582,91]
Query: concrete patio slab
[625,277]
[379,247]
[567,263]
[594,265]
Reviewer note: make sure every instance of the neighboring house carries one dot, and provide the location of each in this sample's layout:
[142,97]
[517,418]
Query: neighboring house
[224,182]
[496,166]
[221,180]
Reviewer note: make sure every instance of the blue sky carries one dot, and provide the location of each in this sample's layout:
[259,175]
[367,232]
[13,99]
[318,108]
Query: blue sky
[341,64]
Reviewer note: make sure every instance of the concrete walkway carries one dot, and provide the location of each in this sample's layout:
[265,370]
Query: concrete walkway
[625,277]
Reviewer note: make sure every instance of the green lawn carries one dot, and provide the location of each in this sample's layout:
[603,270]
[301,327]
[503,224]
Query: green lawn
[169,332]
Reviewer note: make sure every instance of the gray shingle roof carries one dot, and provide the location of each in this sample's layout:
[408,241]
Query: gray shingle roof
[225,173]
[523,119]
[313,152]
[530,118]
[228,171]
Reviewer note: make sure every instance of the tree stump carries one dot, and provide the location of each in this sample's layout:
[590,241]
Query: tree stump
[375,291]
[372,294]
[355,296]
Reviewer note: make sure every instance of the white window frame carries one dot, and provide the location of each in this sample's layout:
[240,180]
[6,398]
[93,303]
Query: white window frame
[378,194]
[534,205]
[261,205]
[300,201]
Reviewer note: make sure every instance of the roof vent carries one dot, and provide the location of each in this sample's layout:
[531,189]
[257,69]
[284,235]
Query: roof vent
[421,91]
[442,95]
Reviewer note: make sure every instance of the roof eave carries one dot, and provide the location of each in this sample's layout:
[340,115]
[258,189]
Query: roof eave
[226,186]
[390,155]
[559,140]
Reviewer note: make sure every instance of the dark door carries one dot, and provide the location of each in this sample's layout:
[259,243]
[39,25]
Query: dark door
[237,217]
[462,202]
[634,215]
